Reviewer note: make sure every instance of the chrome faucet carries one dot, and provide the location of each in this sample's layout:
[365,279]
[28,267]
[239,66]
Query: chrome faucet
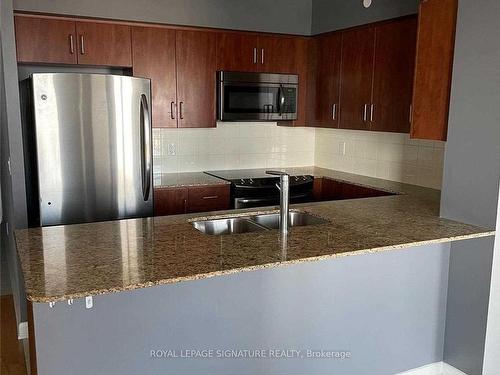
[284,188]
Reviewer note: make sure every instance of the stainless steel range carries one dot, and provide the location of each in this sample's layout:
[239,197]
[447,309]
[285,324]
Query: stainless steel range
[255,188]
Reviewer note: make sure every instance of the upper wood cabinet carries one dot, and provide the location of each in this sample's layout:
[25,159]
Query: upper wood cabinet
[434,62]
[244,52]
[327,98]
[278,54]
[50,40]
[374,65]
[104,44]
[153,51]
[393,75]
[181,66]
[356,78]
[237,52]
[44,40]
[196,79]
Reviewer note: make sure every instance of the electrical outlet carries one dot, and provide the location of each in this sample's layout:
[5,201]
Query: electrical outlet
[171,150]
[342,148]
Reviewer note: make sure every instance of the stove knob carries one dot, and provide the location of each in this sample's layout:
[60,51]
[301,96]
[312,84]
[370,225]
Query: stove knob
[242,181]
[251,181]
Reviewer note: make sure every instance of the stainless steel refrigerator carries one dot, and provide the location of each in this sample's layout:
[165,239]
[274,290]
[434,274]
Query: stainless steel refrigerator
[88,147]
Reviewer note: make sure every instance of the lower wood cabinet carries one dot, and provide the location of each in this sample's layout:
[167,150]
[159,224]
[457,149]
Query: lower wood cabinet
[173,201]
[326,189]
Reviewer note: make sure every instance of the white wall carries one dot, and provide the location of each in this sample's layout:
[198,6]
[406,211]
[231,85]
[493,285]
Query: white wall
[232,145]
[390,156]
[492,345]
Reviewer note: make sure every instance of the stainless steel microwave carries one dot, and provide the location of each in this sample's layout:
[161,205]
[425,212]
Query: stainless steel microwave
[257,96]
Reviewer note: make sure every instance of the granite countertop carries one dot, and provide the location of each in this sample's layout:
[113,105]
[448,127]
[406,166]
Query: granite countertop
[170,180]
[74,261]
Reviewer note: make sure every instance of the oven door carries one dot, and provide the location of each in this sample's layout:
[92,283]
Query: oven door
[244,101]
[273,200]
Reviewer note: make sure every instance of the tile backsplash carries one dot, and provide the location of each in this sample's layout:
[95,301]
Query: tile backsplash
[239,145]
[390,156]
[232,145]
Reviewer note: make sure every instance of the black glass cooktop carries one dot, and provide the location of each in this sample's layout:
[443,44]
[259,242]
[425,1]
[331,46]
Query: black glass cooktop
[238,174]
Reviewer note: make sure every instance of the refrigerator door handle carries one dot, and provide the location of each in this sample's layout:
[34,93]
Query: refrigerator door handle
[146,147]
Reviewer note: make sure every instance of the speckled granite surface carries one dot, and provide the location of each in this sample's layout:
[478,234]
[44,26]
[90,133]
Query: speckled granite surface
[88,259]
[168,180]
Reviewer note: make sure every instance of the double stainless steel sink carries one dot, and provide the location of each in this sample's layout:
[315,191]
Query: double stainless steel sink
[254,223]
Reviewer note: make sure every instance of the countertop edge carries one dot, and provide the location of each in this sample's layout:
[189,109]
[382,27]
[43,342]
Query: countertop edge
[256,267]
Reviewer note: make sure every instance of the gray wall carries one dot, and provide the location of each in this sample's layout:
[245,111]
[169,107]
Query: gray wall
[467,306]
[13,190]
[283,16]
[329,15]
[471,175]
[387,309]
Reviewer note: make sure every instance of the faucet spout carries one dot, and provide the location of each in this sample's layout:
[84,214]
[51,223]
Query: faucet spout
[284,188]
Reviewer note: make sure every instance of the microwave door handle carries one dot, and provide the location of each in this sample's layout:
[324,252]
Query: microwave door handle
[281,100]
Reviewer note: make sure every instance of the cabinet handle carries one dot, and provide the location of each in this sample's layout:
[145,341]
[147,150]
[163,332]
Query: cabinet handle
[365,112]
[181,112]
[262,56]
[172,110]
[82,45]
[372,109]
[255,55]
[71,44]
[334,111]
[211,197]
[185,206]
[410,117]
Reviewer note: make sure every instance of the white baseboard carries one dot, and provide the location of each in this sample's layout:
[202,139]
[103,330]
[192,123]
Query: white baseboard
[438,368]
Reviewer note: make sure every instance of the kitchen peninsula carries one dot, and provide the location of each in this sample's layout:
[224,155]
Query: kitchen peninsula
[137,256]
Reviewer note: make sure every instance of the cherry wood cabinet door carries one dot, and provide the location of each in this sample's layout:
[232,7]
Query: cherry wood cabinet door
[302,57]
[237,52]
[196,78]
[435,47]
[208,198]
[327,109]
[104,44]
[393,75]
[356,78]
[45,40]
[153,52]
[170,201]
[277,54]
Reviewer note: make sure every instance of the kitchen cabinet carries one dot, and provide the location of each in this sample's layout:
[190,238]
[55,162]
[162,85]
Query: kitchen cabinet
[180,200]
[358,47]
[237,52]
[242,52]
[208,198]
[181,66]
[327,102]
[433,69]
[170,201]
[278,54]
[55,41]
[326,189]
[45,40]
[196,78]
[393,69]
[154,57]
[104,44]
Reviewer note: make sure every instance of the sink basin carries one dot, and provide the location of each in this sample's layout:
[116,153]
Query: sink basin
[232,225]
[235,225]
[295,219]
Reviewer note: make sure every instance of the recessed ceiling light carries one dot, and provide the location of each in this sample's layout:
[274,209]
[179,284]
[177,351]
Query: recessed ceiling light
[367,3]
